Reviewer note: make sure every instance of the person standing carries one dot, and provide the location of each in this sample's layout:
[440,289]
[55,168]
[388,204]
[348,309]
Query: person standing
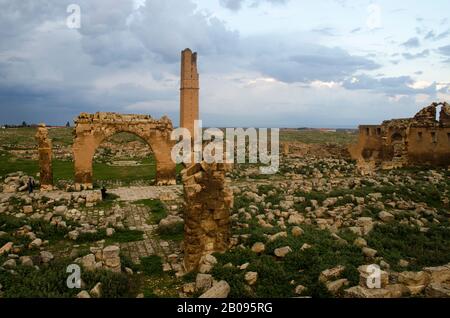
[30,185]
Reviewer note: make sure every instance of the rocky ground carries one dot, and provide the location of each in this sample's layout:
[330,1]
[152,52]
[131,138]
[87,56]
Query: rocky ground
[315,229]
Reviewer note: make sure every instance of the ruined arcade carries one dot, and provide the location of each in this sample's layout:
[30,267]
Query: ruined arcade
[92,129]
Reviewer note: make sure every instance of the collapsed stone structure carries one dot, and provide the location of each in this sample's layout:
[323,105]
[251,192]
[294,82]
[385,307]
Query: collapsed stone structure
[45,158]
[421,140]
[208,200]
[207,197]
[92,129]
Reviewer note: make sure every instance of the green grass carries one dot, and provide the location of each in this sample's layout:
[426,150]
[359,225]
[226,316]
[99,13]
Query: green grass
[318,137]
[50,282]
[174,234]
[151,265]
[120,236]
[302,267]
[397,241]
[157,209]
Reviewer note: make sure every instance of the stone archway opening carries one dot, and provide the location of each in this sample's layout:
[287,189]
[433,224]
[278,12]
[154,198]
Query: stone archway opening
[91,130]
[123,159]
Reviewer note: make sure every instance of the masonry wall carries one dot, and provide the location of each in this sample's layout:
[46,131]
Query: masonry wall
[429,150]
[369,142]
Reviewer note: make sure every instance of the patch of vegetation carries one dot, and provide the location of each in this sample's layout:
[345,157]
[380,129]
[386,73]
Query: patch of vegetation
[119,236]
[158,210]
[398,241]
[50,282]
[151,265]
[301,267]
[175,233]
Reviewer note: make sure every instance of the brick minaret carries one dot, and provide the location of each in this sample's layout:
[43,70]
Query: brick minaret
[189,100]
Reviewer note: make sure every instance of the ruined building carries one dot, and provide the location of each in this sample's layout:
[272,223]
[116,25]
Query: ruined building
[207,197]
[421,140]
[92,129]
[45,158]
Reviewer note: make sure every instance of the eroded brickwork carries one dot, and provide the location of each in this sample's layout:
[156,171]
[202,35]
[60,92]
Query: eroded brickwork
[45,158]
[208,201]
[92,129]
[189,90]
[421,140]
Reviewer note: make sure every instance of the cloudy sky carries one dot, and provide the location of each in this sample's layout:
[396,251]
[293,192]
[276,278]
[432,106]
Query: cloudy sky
[272,63]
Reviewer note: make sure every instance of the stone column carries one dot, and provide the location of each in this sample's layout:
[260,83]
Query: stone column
[189,91]
[45,158]
[208,201]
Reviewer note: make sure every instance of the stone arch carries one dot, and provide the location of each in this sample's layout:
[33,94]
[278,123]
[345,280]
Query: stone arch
[92,129]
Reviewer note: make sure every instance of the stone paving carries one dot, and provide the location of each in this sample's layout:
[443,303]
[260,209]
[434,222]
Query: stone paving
[166,193]
[138,216]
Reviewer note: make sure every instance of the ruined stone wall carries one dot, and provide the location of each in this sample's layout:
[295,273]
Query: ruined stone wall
[369,145]
[421,140]
[429,149]
[92,129]
[189,90]
[45,158]
[208,201]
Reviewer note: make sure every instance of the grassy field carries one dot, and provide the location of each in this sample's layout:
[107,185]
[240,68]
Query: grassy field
[318,137]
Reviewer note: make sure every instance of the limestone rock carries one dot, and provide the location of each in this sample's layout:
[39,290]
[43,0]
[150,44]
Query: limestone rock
[219,290]
[369,252]
[360,242]
[327,274]
[251,277]
[282,251]
[258,247]
[170,222]
[386,216]
[11,263]
[6,248]
[334,286]
[83,294]
[27,209]
[26,261]
[96,291]
[300,289]
[438,274]
[297,231]
[438,290]
[203,282]
[46,256]
[361,292]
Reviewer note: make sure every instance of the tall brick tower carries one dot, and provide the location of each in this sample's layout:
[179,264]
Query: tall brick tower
[189,98]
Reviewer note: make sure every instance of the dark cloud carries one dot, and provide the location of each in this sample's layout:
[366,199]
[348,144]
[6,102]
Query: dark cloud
[314,63]
[410,56]
[328,31]
[391,86]
[236,5]
[431,35]
[412,43]
[445,50]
